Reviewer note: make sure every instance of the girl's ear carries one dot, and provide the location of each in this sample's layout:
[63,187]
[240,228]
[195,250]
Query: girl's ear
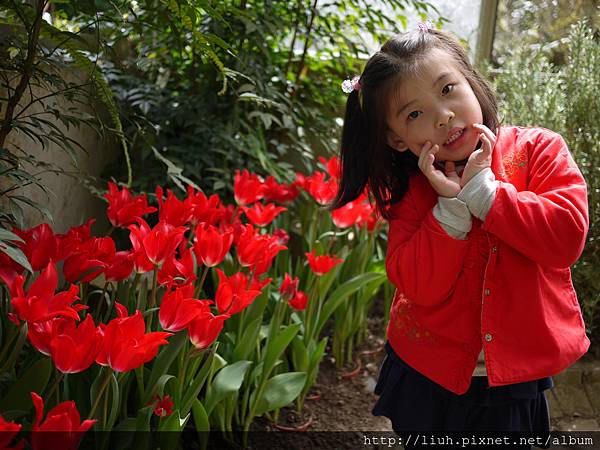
[394,141]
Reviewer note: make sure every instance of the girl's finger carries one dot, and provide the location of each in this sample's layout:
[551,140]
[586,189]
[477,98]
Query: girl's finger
[487,147]
[485,130]
[450,168]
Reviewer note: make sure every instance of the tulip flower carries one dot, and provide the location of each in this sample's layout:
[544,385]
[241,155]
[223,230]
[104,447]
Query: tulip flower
[281,193]
[172,211]
[125,343]
[8,432]
[119,267]
[89,260]
[40,245]
[179,307]
[257,250]
[205,328]
[333,166]
[289,287]
[40,334]
[137,233]
[281,235]
[298,301]
[162,241]
[63,425]
[207,210]
[178,271]
[351,213]
[74,348]
[322,191]
[320,265]
[123,208]
[262,215]
[70,242]
[301,181]
[163,407]
[210,245]
[247,188]
[233,295]
[40,303]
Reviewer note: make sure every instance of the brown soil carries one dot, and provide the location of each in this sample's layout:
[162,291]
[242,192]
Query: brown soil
[342,399]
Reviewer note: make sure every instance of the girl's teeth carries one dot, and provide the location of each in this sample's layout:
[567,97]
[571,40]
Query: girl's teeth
[454,137]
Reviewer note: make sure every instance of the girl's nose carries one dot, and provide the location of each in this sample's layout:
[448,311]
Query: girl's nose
[444,118]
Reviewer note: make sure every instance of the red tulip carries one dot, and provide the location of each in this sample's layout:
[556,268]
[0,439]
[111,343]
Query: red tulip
[9,269]
[162,241]
[351,213]
[178,271]
[262,215]
[281,193]
[257,250]
[247,188]
[63,425]
[70,242]
[125,343]
[40,334]
[233,294]
[8,432]
[204,209]
[74,348]
[289,287]
[39,303]
[322,191]
[120,267]
[123,208]
[172,210]
[298,301]
[333,166]
[40,246]
[163,407]
[179,307]
[281,235]
[137,233]
[205,328]
[320,265]
[89,260]
[301,181]
[211,246]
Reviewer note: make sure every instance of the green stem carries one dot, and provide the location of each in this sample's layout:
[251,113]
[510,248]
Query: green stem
[100,392]
[57,379]
[152,297]
[198,290]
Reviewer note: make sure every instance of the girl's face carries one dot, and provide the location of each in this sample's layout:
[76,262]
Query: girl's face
[438,106]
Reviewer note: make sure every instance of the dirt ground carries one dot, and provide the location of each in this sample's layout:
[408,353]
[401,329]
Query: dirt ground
[342,399]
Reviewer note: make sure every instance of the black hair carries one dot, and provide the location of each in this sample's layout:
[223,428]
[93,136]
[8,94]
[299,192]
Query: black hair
[367,161]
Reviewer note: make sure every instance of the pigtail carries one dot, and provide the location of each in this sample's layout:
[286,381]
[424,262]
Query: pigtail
[353,154]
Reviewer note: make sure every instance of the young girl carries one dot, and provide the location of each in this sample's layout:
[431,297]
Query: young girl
[484,222]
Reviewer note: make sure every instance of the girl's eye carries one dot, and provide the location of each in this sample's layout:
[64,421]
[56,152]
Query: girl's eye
[413,115]
[447,89]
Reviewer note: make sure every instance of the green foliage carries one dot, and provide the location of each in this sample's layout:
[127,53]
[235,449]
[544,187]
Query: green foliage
[533,91]
[206,87]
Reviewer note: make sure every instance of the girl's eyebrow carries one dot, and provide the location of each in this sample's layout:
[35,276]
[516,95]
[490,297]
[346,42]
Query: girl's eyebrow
[441,77]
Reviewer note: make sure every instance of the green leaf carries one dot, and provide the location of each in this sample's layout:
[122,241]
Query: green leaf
[16,255]
[34,379]
[6,235]
[163,362]
[341,293]
[115,402]
[277,345]
[299,354]
[280,391]
[228,381]
[173,422]
[201,423]
[248,341]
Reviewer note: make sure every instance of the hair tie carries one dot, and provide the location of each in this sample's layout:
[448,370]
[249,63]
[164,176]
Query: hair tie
[425,26]
[351,85]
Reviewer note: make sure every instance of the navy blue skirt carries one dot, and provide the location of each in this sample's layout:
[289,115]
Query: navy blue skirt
[414,403]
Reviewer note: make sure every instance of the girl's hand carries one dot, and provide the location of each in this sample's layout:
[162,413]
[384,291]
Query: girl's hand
[446,185]
[482,158]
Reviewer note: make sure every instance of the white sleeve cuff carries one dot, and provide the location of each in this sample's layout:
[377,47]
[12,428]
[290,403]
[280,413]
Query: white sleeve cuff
[453,216]
[479,193]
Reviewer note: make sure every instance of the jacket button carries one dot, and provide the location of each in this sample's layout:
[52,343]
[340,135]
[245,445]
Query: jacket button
[488,337]
[487,291]
[494,249]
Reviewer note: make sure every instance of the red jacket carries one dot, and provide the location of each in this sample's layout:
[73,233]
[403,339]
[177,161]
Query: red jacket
[507,287]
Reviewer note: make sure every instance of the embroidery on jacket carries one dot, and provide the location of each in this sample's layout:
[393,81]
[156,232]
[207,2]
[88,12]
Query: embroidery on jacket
[513,162]
[406,323]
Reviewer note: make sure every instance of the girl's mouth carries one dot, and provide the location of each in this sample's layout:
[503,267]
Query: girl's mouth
[455,139]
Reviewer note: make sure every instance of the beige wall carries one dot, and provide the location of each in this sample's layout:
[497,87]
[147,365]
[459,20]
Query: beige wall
[70,202]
